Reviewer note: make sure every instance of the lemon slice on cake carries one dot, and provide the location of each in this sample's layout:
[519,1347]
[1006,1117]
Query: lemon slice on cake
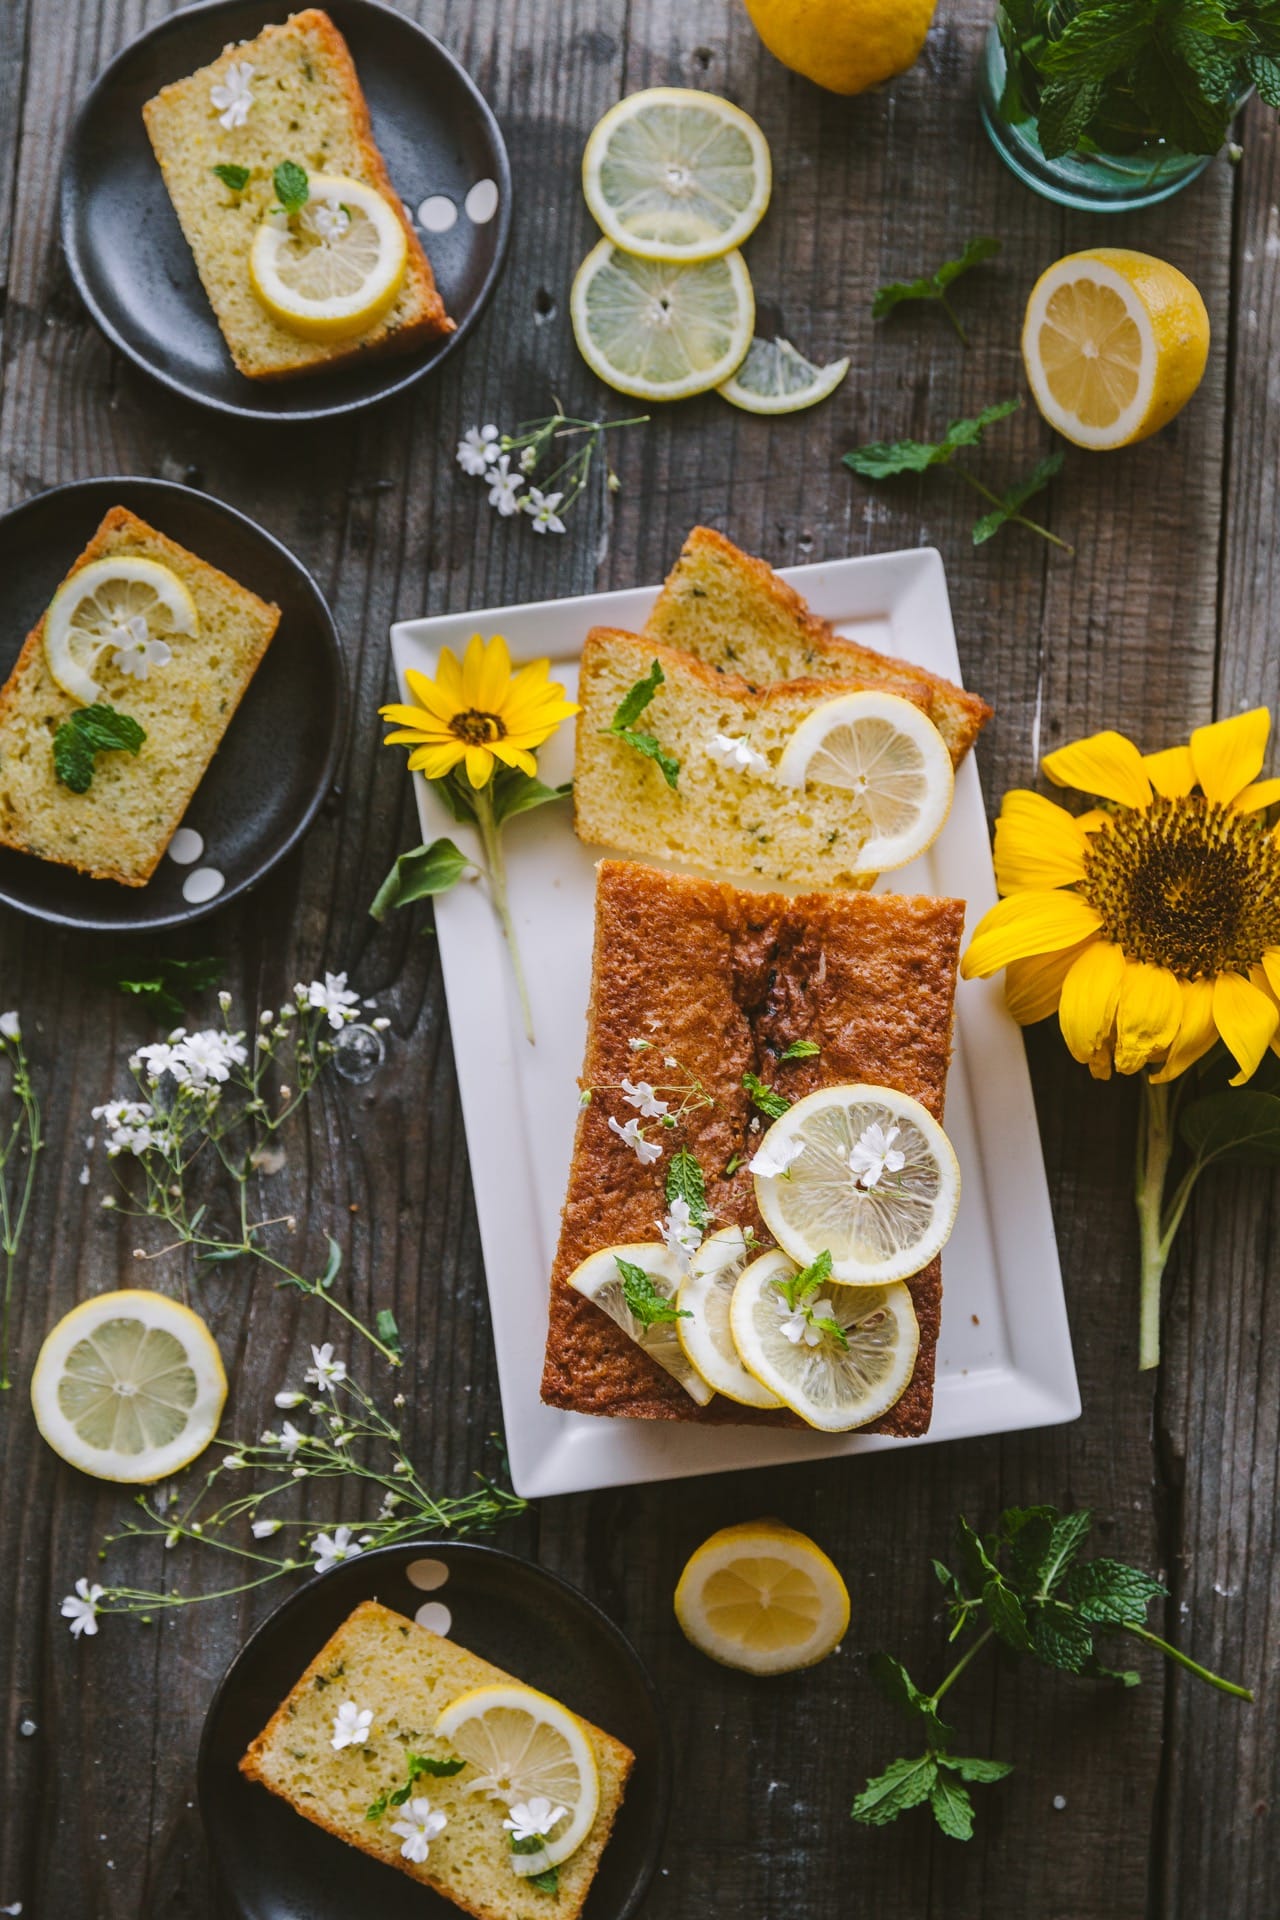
[333,268]
[870,1177]
[892,762]
[675,174]
[705,1335]
[775,378]
[845,1361]
[650,1274]
[659,330]
[762,1597]
[525,1746]
[129,1386]
[109,607]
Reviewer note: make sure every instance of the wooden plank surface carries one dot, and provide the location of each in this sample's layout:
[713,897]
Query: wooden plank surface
[1165,615]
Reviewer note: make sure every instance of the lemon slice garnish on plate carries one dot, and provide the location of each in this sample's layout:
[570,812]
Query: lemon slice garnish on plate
[601,1280]
[762,1597]
[109,607]
[705,1296]
[523,1745]
[834,1383]
[336,265]
[675,174]
[659,330]
[875,1183]
[891,761]
[129,1386]
[775,378]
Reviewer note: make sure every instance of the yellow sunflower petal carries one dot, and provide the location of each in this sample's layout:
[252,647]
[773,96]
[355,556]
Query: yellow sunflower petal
[1032,987]
[448,679]
[1228,755]
[1106,764]
[487,672]
[1148,1014]
[1093,820]
[1025,924]
[1263,793]
[1247,1020]
[1090,996]
[480,764]
[417,717]
[435,762]
[431,696]
[1271,967]
[1038,844]
[416,737]
[513,756]
[1196,1031]
[1172,773]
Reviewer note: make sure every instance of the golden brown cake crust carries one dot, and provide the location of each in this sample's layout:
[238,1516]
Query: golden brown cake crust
[724,981]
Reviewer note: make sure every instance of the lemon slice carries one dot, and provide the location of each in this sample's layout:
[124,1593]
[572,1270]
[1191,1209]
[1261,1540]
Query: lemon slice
[1115,343]
[129,1386]
[674,174]
[762,1597]
[774,378]
[705,1336]
[599,1279]
[336,266]
[110,607]
[659,330]
[833,1385]
[891,761]
[524,1745]
[875,1183]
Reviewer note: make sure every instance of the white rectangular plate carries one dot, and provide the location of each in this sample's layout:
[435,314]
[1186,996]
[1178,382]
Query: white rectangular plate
[1004,1358]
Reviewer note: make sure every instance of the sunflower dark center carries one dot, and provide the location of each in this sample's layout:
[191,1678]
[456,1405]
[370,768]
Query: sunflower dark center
[478,729]
[1186,884]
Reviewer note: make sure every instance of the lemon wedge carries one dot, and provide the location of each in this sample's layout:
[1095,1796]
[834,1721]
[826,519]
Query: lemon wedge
[129,1386]
[674,174]
[762,1597]
[108,608]
[659,330]
[892,762]
[775,378]
[705,1335]
[524,1745]
[838,1381]
[870,1178]
[601,1280]
[336,266]
[1115,343]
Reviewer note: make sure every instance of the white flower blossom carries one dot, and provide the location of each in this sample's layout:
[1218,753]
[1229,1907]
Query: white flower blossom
[351,1726]
[329,218]
[542,508]
[81,1608]
[333,997]
[288,1439]
[418,1826]
[873,1155]
[10,1026]
[327,1373]
[533,1819]
[797,1322]
[287,1397]
[735,754]
[646,1151]
[233,96]
[681,1233]
[504,487]
[330,1548]
[637,1045]
[132,1126]
[139,654]
[196,1060]
[640,1095]
[773,1161]
[263,1529]
[528,460]
[478,449]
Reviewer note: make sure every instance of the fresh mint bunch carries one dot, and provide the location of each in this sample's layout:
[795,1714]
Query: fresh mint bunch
[936,286]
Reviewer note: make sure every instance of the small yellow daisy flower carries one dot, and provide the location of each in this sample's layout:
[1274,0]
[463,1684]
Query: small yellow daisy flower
[478,714]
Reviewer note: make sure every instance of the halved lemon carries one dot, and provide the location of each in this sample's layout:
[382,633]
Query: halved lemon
[762,1597]
[675,174]
[333,268]
[524,1745]
[600,1280]
[876,1184]
[129,1386]
[892,762]
[659,330]
[107,607]
[706,1337]
[775,378]
[1115,343]
[834,1385]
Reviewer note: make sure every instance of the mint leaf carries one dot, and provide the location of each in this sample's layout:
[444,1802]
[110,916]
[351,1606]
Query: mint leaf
[903,1784]
[1015,497]
[933,286]
[1100,40]
[1059,1638]
[832,1328]
[420,1763]
[86,733]
[896,1684]
[1004,1613]
[805,1283]
[768,1099]
[1108,1593]
[548,1881]
[647,744]
[881,460]
[237,178]
[165,986]
[980,1772]
[644,1301]
[800,1050]
[637,700]
[1240,1127]
[291,185]
[417,875]
[952,1808]
[685,1181]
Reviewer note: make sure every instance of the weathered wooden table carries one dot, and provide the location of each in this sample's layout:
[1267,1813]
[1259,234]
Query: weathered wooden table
[1160,1802]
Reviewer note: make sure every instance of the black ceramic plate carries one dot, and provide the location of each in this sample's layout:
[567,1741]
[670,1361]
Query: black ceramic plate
[135,271]
[278,756]
[274,1865]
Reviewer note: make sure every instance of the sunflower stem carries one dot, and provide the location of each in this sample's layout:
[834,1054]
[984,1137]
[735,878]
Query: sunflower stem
[1155,1149]
[496,871]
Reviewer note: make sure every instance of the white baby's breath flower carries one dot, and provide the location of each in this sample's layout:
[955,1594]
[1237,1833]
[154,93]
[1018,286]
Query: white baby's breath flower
[681,1233]
[533,1819]
[289,1439]
[797,1322]
[131,1126]
[137,659]
[263,1529]
[329,218]
[541,507]
[646,1151]
[333,998]
[640,1095]
[477,449]
[326,1373]
[330,1548]
[81,1608]
[873,1154]
[10,1026]
[528,460]
[504,487]
[735,754]
[233,96]
[351,1726]
[419,1824]
[773,1162]
[288,1398]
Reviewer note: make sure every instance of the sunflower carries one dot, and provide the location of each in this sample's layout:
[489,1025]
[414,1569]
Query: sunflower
[478,714]
[1151,923]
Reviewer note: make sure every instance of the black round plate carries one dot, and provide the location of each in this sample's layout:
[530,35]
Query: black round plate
[274,1865]
[136,273]
[278,756]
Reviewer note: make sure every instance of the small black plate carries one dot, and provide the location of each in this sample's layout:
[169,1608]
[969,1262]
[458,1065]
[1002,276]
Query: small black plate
[278,756]
[136,274]
[274,1865]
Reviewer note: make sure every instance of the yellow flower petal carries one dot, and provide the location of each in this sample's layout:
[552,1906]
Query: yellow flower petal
[1032,987]
[1093,820]
[1038,844]
[1271,967]
[448,679]
[1263,793]
[1247,1020]
[1024,924]
[431,695]
[486,673]
[513,756]
[435,762]
[1106,764]
[1172,773]
[1196,1031]
[1228,755]
[480,764]
[1090,996]
[1148,1014]
[407,716]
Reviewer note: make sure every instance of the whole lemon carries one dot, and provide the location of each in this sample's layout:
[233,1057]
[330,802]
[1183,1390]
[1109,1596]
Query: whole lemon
[845,46]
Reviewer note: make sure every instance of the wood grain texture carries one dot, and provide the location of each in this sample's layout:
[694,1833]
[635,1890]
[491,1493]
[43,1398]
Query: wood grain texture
[1164,616]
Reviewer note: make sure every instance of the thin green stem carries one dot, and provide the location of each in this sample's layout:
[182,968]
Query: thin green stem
[973,1648]
[1158,1223]
[496,872]
[1019,519]
[1192,1666]
[954,318]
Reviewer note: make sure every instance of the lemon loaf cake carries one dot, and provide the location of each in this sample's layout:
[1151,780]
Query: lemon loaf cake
[157,647]
[715,774]
[697,982]
[360,1724]
[737,615]
[291,96]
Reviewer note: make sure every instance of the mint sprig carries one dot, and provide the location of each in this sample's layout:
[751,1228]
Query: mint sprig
[85,734]
[768,1099]
[293,189]
[800,1050]
[623,726]
[419,1764]
[644,1301]
[686,1181]
[237,178]
[936,286]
